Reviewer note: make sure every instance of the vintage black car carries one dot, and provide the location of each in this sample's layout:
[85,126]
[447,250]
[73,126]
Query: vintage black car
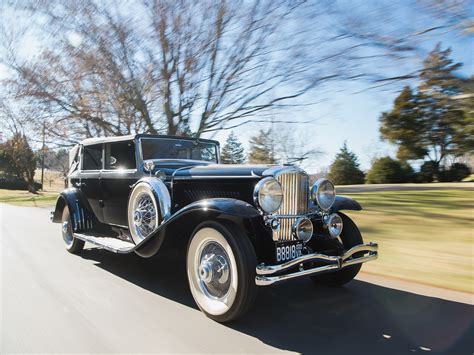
[244,225]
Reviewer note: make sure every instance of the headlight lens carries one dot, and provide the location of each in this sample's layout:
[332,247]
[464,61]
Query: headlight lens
[268,195]
[334,225]
[324,193]
[303,229]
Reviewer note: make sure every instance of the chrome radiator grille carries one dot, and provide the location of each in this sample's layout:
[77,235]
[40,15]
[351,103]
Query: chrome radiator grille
[295,186]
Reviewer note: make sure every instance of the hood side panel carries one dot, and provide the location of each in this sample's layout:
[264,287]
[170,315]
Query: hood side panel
[188,191]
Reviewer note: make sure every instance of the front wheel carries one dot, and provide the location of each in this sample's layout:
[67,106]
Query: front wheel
[350,237]
[221,265]
[73,245]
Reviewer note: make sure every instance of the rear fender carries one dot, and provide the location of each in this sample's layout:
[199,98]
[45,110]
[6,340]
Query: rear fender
[82,217]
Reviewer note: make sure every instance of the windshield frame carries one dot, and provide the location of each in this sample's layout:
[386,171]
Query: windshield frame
[205,141]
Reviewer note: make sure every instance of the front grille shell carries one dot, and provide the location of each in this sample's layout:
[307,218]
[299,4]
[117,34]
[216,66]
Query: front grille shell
[295,185]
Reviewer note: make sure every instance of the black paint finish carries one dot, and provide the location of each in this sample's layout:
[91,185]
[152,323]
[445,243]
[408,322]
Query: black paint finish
[199,191]
[345,203]
[89,184]
[189,191]
[115,189]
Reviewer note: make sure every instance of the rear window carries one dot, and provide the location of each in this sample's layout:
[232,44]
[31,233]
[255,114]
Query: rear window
[92,157]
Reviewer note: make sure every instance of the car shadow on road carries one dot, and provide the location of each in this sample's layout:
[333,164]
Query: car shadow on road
[302,317]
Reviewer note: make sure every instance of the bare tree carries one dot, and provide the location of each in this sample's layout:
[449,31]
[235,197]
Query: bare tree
[221,64]
[294,148]
[193,67]
[93,85]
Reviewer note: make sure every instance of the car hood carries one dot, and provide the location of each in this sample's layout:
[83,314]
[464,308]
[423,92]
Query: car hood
[221,171]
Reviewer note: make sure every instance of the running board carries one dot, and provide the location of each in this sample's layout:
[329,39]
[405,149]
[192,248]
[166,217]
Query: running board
[111,244]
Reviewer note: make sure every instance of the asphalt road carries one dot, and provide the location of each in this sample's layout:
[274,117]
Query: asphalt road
[52,301]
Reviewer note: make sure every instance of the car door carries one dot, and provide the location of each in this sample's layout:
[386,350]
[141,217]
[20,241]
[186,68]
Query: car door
[119,174]
[92,163]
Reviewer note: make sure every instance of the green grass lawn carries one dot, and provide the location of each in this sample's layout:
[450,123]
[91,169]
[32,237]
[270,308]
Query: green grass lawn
[423,236]
[24,198]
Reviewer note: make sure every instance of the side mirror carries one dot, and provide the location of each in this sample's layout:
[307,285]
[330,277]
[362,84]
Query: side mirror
[148,166]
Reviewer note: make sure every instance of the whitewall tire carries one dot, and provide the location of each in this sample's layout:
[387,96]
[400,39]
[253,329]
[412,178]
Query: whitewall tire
[221,265]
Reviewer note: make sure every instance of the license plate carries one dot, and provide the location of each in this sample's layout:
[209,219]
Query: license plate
[288,251]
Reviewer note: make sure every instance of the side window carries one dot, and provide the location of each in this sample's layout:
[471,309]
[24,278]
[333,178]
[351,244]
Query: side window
[120,155]
[92,157]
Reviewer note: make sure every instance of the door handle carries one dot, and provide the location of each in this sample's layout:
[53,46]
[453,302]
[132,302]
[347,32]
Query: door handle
[79,184]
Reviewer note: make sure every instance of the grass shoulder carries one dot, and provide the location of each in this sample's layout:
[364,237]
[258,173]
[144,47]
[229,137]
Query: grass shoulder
[25,198]
[424,236]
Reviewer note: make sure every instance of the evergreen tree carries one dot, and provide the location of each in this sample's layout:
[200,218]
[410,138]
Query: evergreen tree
[386,170]
[345,168]
[262,149]
[429,123]
[232,152]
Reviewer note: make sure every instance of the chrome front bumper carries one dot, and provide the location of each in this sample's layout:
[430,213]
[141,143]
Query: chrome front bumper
[332,263]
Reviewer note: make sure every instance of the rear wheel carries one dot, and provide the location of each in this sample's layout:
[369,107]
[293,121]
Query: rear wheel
[221,265]
[349,237]
[73,245]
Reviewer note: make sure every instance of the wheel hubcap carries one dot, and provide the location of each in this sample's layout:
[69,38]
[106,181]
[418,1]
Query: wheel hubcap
[137,218]
[65,226]
[214,270]
[67,234]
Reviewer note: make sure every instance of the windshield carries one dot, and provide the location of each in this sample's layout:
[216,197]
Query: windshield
[165,148]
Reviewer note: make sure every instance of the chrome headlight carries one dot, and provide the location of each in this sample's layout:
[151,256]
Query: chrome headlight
[334,225]
[268,195]
[323,193]
[303,228]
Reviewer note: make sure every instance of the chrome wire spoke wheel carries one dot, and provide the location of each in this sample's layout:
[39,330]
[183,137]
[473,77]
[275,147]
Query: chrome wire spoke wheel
[212,271]
[143,216]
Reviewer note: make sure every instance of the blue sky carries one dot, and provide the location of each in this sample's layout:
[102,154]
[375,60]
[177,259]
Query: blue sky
[353,117]
[343,115]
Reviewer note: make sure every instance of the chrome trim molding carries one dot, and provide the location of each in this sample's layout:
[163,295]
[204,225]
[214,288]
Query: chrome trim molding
[204,177]
[81,218]
[334,263]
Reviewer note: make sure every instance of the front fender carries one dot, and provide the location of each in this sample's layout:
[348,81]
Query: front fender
[345,203]
[188,217]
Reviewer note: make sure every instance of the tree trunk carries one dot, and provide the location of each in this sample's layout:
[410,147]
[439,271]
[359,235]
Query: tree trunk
[30,181]
[31,186]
